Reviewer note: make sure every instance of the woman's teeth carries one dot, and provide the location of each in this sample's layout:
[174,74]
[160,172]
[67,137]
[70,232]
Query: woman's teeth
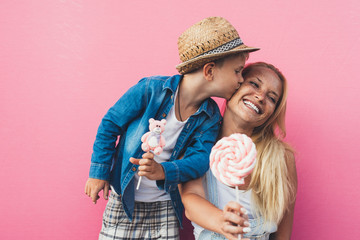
[251,105]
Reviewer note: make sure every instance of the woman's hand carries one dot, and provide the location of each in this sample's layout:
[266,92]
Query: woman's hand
[235,221]
[225,222]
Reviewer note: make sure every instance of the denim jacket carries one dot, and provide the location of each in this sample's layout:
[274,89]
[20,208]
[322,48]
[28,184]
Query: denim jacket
[152,97]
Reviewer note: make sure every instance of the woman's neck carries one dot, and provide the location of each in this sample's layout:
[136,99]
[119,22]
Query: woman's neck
[232,125]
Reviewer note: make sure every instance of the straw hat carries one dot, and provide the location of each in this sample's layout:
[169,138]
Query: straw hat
[210,39]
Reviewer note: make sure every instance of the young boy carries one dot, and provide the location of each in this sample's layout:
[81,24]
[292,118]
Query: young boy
[213,57]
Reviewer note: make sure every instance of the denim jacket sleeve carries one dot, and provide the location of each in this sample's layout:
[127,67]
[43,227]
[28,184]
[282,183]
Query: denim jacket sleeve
[195,162]
[112,125]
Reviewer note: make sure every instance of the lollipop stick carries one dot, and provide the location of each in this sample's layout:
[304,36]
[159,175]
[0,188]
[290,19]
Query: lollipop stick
[138,184]
[238,201]
[237,194]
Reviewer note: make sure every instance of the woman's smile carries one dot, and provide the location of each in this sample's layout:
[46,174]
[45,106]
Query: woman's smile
[251,105]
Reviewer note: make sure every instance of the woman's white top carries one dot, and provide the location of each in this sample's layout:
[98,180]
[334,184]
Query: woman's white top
[219,194]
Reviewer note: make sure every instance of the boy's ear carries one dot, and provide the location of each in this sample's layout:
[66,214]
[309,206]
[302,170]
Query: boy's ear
[208,71]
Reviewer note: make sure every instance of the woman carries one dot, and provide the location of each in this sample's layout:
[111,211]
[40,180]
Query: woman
[268,196]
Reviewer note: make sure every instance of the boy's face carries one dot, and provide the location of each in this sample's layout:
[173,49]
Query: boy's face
[228,76]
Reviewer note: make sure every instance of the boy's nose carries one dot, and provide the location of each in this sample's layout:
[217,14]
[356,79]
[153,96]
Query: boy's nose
[239,84]
[241,80]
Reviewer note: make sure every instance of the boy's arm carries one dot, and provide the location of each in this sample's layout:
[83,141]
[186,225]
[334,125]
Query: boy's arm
[195,162]
[111,127]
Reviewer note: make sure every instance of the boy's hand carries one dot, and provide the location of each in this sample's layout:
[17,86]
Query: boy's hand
[94,186]
[149,167]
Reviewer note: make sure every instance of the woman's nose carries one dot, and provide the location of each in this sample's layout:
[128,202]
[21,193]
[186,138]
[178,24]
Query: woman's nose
[259,96]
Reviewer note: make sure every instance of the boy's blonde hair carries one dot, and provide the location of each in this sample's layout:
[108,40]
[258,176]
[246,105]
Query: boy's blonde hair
[272,186]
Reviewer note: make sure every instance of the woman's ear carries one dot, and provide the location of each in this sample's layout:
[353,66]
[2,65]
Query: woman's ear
[208,71]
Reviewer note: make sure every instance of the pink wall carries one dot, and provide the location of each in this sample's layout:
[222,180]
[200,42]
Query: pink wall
[64,63]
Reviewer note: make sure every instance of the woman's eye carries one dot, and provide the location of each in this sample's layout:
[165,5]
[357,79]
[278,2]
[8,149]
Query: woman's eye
[254,84]
[272,99]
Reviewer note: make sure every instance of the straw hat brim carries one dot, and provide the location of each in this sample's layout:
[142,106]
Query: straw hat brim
[198,62]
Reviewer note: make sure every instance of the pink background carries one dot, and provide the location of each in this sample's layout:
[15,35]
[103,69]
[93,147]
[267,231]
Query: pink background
[64,63]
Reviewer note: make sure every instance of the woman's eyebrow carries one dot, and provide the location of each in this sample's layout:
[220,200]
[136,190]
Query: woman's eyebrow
[275,93]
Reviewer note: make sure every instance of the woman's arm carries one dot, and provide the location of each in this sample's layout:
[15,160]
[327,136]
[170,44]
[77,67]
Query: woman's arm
[285,226]
[205,214]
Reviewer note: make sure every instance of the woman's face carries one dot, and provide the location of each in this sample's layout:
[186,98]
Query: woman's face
[256,99]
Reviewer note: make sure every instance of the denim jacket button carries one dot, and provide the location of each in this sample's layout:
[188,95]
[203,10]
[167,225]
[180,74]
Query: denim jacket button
[164,115]
[134,169]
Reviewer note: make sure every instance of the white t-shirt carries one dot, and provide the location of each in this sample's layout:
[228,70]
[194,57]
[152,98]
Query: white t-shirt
[148,190]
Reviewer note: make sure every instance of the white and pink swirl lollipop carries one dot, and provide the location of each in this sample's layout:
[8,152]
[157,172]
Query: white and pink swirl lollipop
[232,159]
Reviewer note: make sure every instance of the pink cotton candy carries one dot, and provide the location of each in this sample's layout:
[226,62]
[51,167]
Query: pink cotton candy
[232,159]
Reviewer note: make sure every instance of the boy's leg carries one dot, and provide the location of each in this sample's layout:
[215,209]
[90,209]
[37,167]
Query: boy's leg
[113,215]
[154,220]
[166,221]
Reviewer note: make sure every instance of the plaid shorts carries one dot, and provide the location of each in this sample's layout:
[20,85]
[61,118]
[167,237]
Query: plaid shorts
[151,220]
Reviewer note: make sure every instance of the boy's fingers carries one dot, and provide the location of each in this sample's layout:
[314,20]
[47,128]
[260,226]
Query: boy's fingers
[95,198]
[106,191]
[134,160]
[148,155]
[88,191]
[143,168]
[87,188]
[145,161]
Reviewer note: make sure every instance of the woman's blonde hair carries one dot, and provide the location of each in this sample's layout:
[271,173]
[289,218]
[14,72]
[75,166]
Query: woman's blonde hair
[272,186]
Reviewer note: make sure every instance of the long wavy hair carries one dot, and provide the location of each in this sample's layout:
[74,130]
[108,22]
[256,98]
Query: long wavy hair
[273,190]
